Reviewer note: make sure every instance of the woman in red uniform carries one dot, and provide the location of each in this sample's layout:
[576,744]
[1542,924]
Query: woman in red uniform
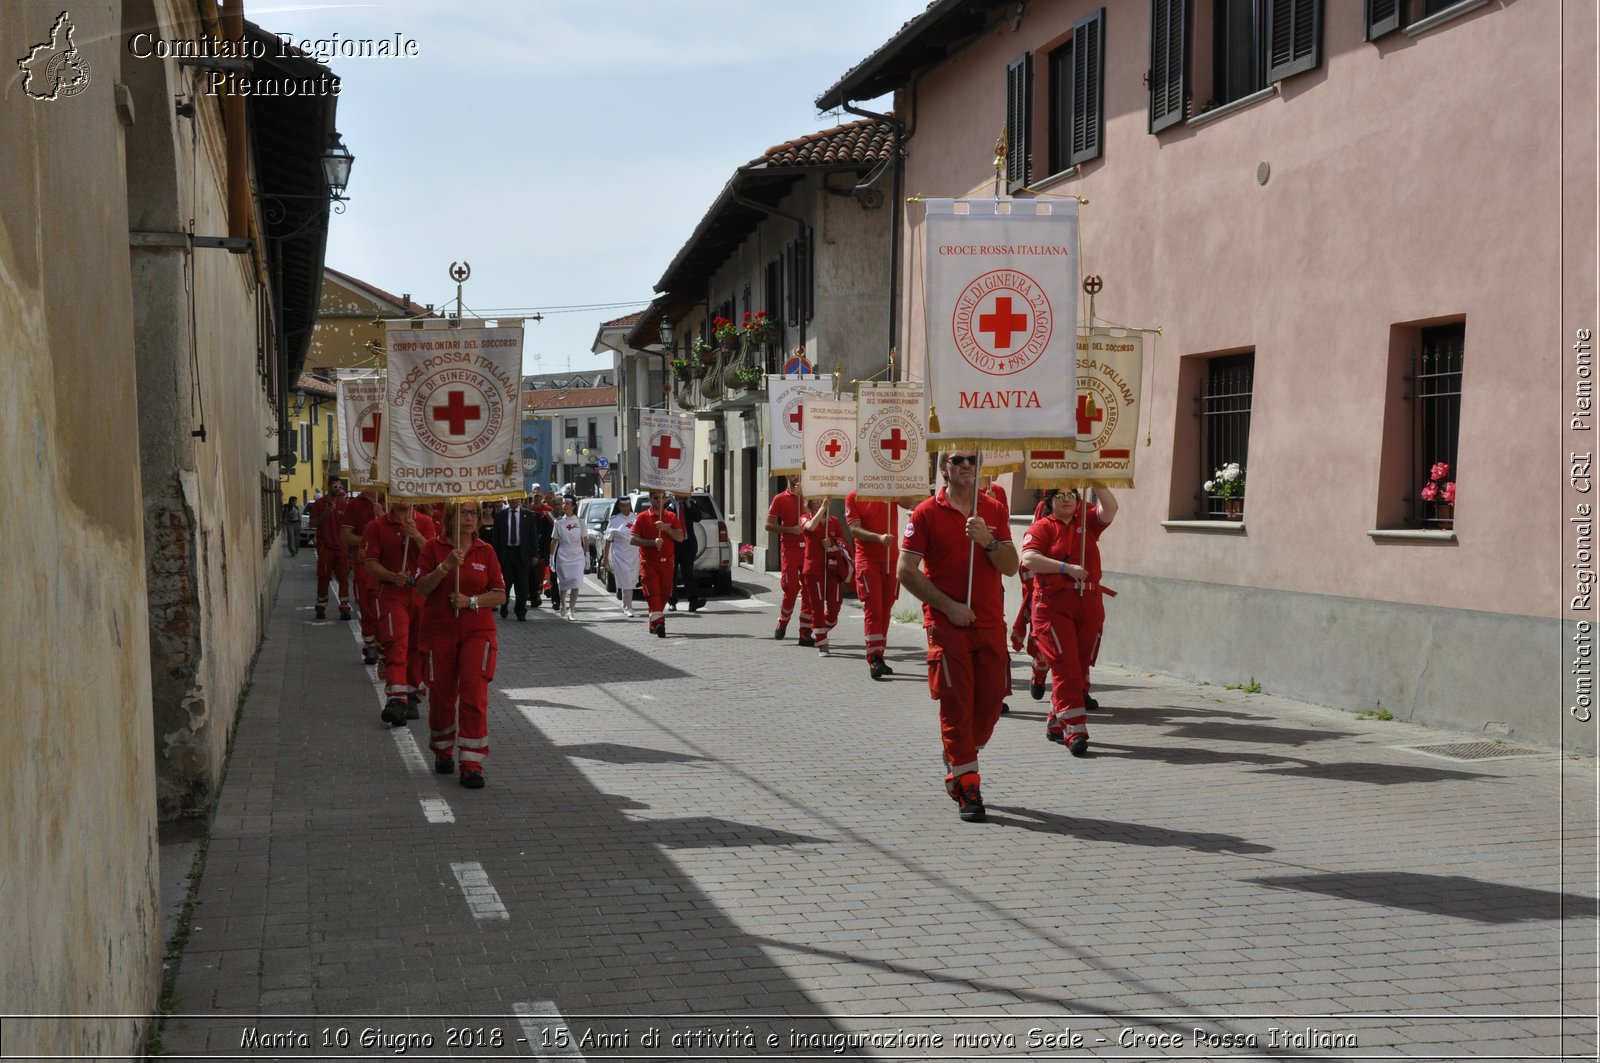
[822,593]
[461,587]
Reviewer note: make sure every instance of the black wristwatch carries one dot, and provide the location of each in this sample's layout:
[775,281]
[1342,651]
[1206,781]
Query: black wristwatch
[994,544]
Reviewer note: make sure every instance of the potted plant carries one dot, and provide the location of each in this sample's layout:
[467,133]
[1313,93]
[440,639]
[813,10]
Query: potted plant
[681,368]
[759,328]
[725,332]
[747,553]
[1440,490]
[1227,483]
[749,377]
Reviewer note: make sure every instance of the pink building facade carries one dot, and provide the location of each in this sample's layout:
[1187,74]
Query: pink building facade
[1348,222]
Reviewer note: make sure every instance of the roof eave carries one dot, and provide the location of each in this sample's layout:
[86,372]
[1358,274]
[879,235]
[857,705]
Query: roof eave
[892,64]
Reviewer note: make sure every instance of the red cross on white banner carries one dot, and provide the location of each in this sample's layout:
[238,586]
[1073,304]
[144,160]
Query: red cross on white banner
[665,451]
[1002,322]
[457,412]
[369,432]
[894,443]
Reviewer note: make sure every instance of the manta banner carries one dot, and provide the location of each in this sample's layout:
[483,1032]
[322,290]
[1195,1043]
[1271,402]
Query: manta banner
[453,405]
[1001,301]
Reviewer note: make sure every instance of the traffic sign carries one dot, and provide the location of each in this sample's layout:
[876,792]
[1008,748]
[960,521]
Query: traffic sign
[602,464]
[603,474]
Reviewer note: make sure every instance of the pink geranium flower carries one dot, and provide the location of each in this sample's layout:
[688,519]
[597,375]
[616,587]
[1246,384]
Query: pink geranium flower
[1430,492]
[1449,493]
[1439,471]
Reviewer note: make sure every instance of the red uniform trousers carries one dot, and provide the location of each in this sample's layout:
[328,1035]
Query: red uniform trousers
[791,573]
[969,675]
[458,671]
[821,599]
[1066,633]
[877,591]
[657,578]
[333,565]
[1019,627]
[399,629]
[367,599]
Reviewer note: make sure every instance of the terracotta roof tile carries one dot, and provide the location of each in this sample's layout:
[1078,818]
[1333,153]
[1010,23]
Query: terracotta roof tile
[569,398]
[312,385]
[866,141]
[628,320]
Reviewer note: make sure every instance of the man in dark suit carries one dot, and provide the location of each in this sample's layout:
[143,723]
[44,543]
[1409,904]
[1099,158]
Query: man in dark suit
[685,555]
[516,541]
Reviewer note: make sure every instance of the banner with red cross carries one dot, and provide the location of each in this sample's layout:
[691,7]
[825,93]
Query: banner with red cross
[1106,418]
[890,429]
[1001,301]
[666,451]
[452,408]
[828,441]
[361,426]
[786,400]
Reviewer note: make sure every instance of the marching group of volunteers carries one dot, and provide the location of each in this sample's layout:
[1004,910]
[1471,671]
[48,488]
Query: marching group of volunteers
[428,580]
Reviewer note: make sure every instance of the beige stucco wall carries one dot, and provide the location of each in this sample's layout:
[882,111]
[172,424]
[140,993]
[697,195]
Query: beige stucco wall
[1412,179]
[78,866]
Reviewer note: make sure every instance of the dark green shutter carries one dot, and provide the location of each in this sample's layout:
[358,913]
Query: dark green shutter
[1019,86]
[1383,16]
[1169,62]
[1088,87]
[1294,37]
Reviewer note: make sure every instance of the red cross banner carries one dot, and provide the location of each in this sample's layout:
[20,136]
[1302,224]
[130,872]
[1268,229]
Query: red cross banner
[666,451]
[1106,416]
[1001,300]
[361,427]
[890,429]
[786,400]
[828,442]
[453,405]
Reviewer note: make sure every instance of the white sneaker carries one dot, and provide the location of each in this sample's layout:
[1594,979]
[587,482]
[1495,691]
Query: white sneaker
[822,651]
[628,613]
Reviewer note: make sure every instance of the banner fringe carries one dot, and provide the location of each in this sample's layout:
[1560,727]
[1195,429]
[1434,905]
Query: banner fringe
[992,443]
[1079,481]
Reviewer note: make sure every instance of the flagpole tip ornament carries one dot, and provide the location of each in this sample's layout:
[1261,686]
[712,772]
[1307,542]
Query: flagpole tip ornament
[1092,284]
[460,271]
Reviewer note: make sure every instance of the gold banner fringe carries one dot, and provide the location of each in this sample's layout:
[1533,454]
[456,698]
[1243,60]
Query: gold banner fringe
[1081,481]
[991,443]
[428,500]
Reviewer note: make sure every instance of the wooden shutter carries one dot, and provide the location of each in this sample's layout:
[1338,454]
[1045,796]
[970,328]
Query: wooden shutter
[1383,17]
[1088,87]
[1294,37]
[1019,85]
[1169,62]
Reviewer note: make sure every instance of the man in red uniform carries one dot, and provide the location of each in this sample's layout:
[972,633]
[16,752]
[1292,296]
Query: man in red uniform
[1063,554]
[657,532]
[359,512]
[872,525]
[786,518]
[822,594]
[962,540]
[333,560]
[393,547]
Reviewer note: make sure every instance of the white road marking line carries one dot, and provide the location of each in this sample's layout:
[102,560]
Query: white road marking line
[410,755]
[437,809]
[748,603]
[548,1033]
[482,897]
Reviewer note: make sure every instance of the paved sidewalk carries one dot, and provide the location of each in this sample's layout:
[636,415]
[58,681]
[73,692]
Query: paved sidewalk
[690,845]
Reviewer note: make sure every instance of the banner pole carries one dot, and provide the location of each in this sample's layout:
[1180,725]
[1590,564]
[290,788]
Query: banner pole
[972,546]
[455,538]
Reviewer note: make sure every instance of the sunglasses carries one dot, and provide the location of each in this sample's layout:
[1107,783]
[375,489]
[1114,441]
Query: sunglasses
[963,459]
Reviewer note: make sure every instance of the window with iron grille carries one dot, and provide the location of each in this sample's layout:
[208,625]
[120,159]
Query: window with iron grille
[1436,419]
[1223,405]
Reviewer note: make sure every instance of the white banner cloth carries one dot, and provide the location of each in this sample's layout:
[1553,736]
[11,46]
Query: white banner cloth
[453,402]
[666,451]
[829,443]
[890,429]
[786,399]
[1001,301]
[1106,421]
[362,427]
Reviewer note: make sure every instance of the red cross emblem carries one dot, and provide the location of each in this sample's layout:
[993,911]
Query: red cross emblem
[370,434]
[457,413]
[1086,420]
[1002,323]
[894,443]
[665,451]
[833,448]
[797,417]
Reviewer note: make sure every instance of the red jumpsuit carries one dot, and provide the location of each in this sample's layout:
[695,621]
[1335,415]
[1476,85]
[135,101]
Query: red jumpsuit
[1067,623]
[656,568]
[460,652]
[969,671]
[876,584]
[387,543]
[359,512]
[333,559]
[790,509]
[822,591]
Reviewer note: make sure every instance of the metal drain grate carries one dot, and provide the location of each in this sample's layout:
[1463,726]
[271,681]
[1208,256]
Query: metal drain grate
[1474,750]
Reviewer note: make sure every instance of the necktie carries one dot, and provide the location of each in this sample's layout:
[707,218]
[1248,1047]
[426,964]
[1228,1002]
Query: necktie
[514,522]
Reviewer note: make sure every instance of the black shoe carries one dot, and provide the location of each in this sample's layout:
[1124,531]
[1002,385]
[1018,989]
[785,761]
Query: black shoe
[807,640]
[1054,735]
[672,607]
[322,614]
[1005,708]
[394,712]
[443,764]
[697,605]
[471,778]
[1089,704]
[779,632]
[877,668]
[369,656]
[344,614]
[502,612]
[1037,690]
[522,615]
[661,631]
[886,669]
[972,810]
[412,701]
[534,604]
[1078,745]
